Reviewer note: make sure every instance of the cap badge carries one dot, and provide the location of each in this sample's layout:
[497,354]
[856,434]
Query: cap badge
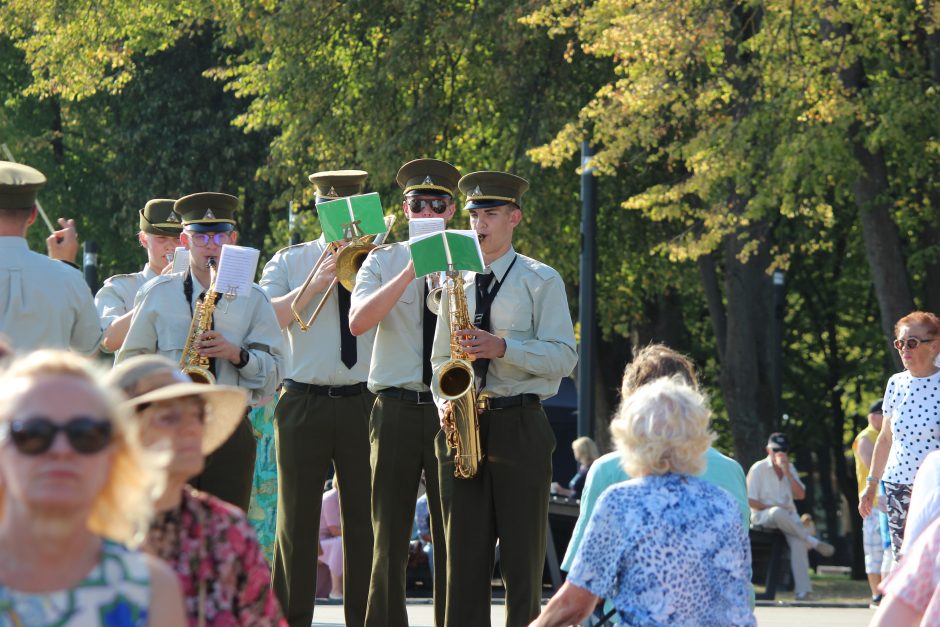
[209,215]
[475,192]
[172,217]
[427,181]
[332,193]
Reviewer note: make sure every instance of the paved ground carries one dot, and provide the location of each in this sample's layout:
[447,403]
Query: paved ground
[421,614]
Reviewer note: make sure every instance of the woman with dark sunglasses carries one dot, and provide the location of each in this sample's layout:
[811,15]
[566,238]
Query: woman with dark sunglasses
[74,488]
[911,427]
[208,542]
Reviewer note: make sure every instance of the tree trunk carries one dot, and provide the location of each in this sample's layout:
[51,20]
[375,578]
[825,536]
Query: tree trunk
[747,370]
[879,232]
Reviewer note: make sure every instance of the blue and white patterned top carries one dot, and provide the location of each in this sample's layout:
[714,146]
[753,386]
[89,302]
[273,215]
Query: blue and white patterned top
[116,593]
[668,550]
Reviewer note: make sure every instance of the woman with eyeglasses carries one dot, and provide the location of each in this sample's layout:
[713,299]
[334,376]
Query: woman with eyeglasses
[208,542]
[75,487]
[911,427]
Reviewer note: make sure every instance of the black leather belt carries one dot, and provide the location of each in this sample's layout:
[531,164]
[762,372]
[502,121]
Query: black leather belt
[505,402]
[333,391]
[418,398]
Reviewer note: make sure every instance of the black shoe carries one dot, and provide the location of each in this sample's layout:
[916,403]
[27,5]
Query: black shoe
[875,600]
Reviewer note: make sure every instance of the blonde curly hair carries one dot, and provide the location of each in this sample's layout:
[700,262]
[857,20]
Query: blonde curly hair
[662,427]
[123,509]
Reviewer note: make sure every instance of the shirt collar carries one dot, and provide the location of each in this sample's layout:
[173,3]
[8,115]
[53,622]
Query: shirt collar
[197,286]
[13,241]
[148,272]
[501,266]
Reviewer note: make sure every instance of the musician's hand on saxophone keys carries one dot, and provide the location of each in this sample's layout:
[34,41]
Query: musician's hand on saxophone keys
[480,344]
[214,344]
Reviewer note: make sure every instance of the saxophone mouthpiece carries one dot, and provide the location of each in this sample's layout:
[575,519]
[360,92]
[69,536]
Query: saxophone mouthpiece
[212,263]
[168,257]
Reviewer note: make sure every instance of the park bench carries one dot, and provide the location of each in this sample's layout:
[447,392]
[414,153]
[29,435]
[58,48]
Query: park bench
[770,561]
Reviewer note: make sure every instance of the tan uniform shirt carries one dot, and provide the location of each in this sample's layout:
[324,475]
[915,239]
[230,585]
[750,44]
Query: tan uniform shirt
[314,355]
[531,313]
[397,359]
[163,317]
[44,303]
[116,296]
[763,485]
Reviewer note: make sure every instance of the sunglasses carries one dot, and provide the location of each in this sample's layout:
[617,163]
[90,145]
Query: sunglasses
[201,240]
[910,343]
[34,436]
[777,449]
[420,205]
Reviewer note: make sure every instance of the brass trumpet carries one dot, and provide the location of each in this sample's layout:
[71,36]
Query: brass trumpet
[348,262]
[435,294]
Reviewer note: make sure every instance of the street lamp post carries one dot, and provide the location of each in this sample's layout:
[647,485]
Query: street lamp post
[586,296]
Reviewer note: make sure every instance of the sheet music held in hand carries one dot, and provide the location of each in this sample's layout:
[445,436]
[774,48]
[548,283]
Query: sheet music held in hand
[237,266]
[180,260]
[422,226]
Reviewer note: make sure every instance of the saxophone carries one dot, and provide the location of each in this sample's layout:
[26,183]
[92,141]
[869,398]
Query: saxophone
[192,364]
[454,381]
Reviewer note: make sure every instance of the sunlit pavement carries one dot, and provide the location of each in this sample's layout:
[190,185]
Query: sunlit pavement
[421,614]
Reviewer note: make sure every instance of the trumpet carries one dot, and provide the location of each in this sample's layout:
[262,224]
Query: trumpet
[348,262]
[435,294]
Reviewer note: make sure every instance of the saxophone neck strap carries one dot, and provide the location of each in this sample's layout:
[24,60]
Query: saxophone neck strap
[486,297]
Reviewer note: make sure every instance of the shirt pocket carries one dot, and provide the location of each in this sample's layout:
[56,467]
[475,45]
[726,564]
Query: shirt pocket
[172,332]
[513,321]
[409,295]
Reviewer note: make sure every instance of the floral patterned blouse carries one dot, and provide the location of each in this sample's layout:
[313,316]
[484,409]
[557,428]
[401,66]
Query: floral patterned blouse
[668,550]
[214,551]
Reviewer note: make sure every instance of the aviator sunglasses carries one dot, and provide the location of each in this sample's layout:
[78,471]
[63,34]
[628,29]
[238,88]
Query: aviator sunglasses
[911,343]
[420,205]
[34,436]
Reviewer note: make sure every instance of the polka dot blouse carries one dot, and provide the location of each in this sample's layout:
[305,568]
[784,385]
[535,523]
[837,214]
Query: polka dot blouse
[913,404]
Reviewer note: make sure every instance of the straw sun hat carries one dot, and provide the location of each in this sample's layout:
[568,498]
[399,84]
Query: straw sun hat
[225,404]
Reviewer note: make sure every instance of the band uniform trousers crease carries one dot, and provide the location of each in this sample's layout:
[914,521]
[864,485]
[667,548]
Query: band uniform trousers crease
[402,435]
[310,430]
[510,490]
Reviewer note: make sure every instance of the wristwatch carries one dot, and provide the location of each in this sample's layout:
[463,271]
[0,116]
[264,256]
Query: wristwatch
[243,358]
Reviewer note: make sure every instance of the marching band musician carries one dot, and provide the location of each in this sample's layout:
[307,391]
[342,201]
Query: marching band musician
[321,417]
[244,346]
[44,303]
[159,235]
[522,346]
[404,420]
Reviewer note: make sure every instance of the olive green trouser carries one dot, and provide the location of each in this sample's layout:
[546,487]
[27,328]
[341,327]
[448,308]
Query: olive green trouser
[507,500]
[402,433]
[230,469]
[311,431]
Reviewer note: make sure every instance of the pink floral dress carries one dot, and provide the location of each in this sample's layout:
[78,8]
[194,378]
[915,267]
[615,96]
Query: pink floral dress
[214,551]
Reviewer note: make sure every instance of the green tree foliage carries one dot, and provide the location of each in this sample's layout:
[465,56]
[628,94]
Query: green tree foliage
[733,139]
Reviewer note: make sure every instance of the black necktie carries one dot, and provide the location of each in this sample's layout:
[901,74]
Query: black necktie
[347,341]
[427,327]
[482,321]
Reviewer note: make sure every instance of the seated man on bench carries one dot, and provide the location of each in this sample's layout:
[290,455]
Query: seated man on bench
[772,486]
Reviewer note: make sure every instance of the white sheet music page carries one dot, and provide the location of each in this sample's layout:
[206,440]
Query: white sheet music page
[422,226]
[180,260]
[237,266]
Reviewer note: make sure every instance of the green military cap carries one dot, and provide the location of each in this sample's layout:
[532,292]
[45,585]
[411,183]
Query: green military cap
[206,212]
[491,189]
[333,184]
[428,176]
[19,185]
[157,217]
